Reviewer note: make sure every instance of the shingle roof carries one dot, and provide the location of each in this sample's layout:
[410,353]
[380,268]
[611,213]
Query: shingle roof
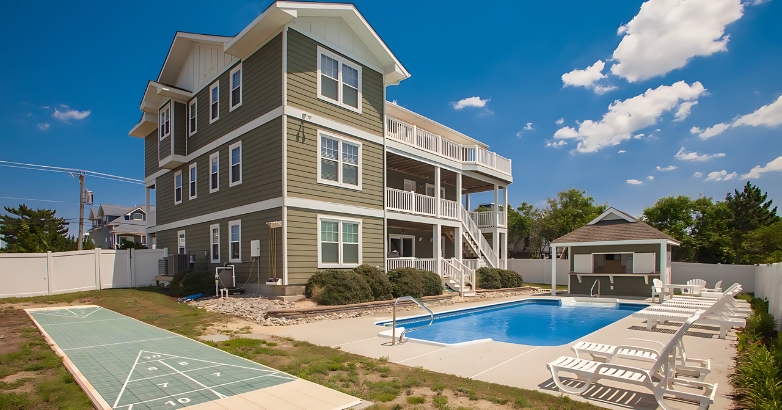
[613,231]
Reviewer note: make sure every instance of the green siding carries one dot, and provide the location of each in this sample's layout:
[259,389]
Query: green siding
[622,285]
[180,129]
[303,169]
[150,154]
[303,242]
[303,92]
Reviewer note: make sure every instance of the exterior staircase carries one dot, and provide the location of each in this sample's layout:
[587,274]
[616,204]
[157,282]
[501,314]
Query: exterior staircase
[458,277]
[476,243]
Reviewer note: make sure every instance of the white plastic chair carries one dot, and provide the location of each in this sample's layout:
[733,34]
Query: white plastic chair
[717,288]
[699,282]
[657,290]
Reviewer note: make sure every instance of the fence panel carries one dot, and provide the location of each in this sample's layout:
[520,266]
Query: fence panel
[729,274]
[539,270]
[23,274]
[145,266]
[114,269]
[72,272]
[769,286]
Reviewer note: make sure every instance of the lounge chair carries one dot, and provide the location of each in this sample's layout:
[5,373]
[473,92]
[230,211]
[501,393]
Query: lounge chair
[713,315]
[698,282]
[657,290]
[711,297]
[588,372]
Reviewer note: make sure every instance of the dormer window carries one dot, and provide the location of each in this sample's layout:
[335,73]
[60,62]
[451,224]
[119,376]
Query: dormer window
[138,216]
[165,121]
[339,80]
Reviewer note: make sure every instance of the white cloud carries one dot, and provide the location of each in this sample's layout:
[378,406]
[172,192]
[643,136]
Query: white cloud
[395,102]
[720,176]
[695,130]
[626,117]
[470,102]
[774,165]
[69,114]
[635,182]
[666,34]
[756,2]
[556,144]
[694,156]
[650,178]
[585,78]
[528,127]
[560,121]
[714,130]
[668,168]
[621,151]
[684,110]
[602,89]
[43,126]
[697,174]
[769,115]
[638,136]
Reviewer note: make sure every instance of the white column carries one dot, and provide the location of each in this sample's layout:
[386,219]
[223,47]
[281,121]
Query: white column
[496,206]
[459,190]
[553,251]
[467,202]
[436,245]
[504,250]
[505,206]
[146,208]
[664,263]
[495,242]
[437,191]
[457,242]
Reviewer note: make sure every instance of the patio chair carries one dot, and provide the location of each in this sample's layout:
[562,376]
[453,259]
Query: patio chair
[710,297]
[699,282]
[715,314]
[657,290]
[717,288]
[589,372]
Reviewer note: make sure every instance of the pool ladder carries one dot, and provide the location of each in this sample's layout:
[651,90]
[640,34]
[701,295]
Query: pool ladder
[393,324]
[592,291]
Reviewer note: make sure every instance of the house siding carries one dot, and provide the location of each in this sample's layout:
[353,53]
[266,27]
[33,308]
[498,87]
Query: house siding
[151,164]
[303,242]
[302,169]
[180,129]
[261,177]
[261,93]
[197,242]
[302,87]
[165,147]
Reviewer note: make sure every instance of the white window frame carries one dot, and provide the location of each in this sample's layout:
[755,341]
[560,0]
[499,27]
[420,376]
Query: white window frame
[191,181]
[212,102]
[166,108]
[238,223]
[212,243]
[401,238]
[231,106]
[216,155]
[133,216]
[340,60]
[339,220]
[442,190]
[339,182]
[192,114]
[407,182]
[231,166]
[181,187]
[181,243]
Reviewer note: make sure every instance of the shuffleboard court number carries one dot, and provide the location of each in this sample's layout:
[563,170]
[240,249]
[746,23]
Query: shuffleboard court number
[216,374]
[152,368]
[183,400]
[164,385]
[183,363]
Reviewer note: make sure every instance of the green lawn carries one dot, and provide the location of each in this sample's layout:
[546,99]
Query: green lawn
[545,286]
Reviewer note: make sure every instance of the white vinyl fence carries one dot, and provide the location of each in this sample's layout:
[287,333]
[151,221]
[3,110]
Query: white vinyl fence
[35,274]
[539,270]
[768,285]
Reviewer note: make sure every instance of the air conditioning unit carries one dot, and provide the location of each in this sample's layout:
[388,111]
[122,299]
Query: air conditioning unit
[89,197]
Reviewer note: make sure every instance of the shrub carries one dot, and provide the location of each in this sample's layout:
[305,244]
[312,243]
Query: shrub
[188,282]
[488,278]
[377,280]
[338,287]
[509,278]
[406,282]
[432,284]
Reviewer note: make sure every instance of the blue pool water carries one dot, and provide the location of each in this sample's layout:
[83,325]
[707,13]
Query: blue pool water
[541,322]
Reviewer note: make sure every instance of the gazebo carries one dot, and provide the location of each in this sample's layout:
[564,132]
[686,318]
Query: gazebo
[615,253]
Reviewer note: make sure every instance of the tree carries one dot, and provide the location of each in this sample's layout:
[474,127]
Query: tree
[764,245]
[749,210]
[126,244]
[674,215]
[87,243]
[26,230]
[570,210]
[710,232]
[520,223]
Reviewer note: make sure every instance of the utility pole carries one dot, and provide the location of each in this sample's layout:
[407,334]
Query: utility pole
[81,209]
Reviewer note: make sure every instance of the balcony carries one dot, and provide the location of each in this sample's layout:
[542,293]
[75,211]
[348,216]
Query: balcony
[413,203]
[488,219]
[436,144]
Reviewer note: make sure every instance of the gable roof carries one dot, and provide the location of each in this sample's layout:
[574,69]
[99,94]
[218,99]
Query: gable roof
[119,210]
[612,226]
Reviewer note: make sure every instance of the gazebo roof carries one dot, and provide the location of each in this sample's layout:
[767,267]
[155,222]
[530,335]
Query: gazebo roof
[615,226]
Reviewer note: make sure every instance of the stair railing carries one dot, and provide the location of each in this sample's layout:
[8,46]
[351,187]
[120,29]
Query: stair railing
[591,291]
[393,323]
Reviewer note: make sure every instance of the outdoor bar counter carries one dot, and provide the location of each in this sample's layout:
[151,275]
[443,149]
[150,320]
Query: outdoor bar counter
[612,284]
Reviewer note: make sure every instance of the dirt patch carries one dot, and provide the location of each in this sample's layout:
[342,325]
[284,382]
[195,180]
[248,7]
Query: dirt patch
[12,324]
[18,376]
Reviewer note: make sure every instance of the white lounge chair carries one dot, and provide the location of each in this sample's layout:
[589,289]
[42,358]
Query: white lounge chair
[588,372]
[697,282]
[657,290]
[681,305]
[713,315]
[707,298]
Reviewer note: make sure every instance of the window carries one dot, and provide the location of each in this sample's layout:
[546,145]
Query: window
[138,216]
[192,116]
[402,246]
[235,241]
[235,172]
[193,180]
[214,102]
[214,172]
[181,249]
[214,236]
[143,239]
[178,187]
[340,162]
[236,87]
[339,80]
[339,242]
[164,126]
[430,191]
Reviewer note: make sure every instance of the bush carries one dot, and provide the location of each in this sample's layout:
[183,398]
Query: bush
[338,287]
[406,282]
[488,278]
[188,282]
[432,284]
[377,280]
[509,278]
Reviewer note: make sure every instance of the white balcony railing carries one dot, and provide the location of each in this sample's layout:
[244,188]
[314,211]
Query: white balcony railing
[417,263]
[411,202]
[430,142]
[488,219]
[473,264]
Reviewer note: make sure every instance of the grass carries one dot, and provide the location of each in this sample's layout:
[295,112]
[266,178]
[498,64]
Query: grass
[389,385]
[545,286]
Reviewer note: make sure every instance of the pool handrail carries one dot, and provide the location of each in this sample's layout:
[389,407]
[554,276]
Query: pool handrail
[591,291]
[393,324]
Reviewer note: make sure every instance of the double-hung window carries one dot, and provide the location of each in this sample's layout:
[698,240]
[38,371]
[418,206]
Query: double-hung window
[138,216]
[214,102]
[235,172]
[214,172]
[178,187]
[164,127]
[181,248]
[235,241]
[236,87]
[193,180]
[339,242]
[340,161]
[214,238]
[192,116]
[339,80]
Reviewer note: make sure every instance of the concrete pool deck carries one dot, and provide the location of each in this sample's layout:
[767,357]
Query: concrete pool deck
[521,365]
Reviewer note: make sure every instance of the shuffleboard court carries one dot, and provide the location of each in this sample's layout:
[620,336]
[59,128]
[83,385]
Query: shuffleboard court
[126,364]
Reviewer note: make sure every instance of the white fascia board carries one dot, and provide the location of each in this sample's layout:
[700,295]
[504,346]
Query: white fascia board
[269,22]
[174,93]
[333,207]
[611,243]
[475,167]
[390,108]
[148,107]
[147,124]
[428,220]
[612,210]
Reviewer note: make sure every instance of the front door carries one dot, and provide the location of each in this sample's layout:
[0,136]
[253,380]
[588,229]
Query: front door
[402,246]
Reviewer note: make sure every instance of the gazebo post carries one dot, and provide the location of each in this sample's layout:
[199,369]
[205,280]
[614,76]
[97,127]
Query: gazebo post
[664,263]
[553,251]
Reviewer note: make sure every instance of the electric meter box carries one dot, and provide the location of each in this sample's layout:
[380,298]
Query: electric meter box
[255,248]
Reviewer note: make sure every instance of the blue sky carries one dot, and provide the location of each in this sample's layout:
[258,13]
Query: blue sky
[707,63]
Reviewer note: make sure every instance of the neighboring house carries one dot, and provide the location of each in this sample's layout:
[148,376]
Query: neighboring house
[114,223]
[282,134]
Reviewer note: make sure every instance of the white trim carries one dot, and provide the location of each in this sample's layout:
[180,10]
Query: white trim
[232,147]
[165,108]
[608,243]
[442,190]
[212,243]
[190,111]
[191,181]
[213,216]
[405,182]
[612,210]
[305,203]
[150,180]
[181,187]
[214,85]
[215,155]
[231,224]
[231,105]
[429,220]
[363,61]
[340,140]
[340,82]
[339,220]
[297,114]
[181,243]
[263,119]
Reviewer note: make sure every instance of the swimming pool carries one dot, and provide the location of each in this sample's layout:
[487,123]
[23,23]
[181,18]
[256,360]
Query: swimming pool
[538,322]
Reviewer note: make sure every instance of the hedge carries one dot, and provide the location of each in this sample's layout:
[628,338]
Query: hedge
[188,282]
[493,278]
[432,284]
[406,282]
[338,287]
[377,280]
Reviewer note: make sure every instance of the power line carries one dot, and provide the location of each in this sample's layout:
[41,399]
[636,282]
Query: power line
[30,199]
[38,167]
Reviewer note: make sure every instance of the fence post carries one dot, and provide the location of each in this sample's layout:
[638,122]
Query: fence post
[96,253]
[49,272]
[131,269]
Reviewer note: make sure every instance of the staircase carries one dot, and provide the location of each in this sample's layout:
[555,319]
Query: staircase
[458,277]
[476,244]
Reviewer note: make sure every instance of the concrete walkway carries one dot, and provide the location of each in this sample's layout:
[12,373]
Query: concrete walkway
[522,365]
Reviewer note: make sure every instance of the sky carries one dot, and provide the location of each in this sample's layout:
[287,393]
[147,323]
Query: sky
[628,100]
